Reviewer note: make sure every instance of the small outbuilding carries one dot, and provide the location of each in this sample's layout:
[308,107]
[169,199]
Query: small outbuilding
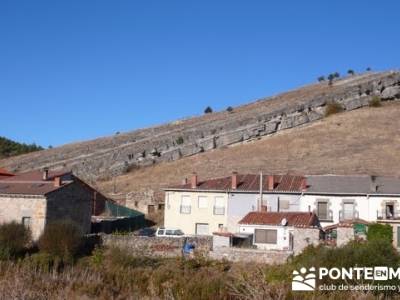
[289,231]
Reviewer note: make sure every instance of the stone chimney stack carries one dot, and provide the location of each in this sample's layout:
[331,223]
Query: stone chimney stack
[271,182]
[57,181]
[45,175]
[234,180]
[194,181]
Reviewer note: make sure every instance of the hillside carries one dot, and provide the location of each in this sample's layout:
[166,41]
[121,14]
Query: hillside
[363,141]
[115,155]
[9,148]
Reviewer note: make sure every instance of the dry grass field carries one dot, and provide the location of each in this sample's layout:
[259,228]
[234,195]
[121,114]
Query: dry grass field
[357,142]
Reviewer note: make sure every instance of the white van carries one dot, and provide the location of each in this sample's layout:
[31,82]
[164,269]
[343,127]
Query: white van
[169,232]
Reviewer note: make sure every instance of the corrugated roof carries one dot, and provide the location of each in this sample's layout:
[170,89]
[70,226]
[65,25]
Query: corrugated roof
[296,219]
[248,182]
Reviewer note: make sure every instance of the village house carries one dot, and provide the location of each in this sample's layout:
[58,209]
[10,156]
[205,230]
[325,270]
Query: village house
[217,205]
[37,198]
[203,207]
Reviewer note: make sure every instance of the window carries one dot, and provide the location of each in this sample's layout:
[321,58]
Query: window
[348,210]
[26,221]
[322,210]
[201,228]
[186,206]
[265,236]
[219,206]
[202,202]
[283,204]
[221,226]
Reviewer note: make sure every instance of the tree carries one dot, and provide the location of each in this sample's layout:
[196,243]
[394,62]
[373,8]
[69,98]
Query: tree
[331,77]
[208,110]
[368,69]
[14,238]
[350,72]
[321,78]
[229,109]
[336,74]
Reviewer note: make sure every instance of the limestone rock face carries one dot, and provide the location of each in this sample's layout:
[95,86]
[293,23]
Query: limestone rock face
[117,154]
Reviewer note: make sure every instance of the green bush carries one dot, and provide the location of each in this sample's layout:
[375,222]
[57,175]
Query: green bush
[63,240]
[179,140]
[229,109]
[333,108]
[14,238]
[321,78]
[375,101]
[380,232]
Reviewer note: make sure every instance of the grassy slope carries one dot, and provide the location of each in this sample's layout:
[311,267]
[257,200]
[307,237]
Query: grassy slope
[361,141]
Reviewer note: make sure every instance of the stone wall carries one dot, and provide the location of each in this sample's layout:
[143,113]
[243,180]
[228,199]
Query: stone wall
[156,246]
[303,237]
[14,208]
[72,202]
[250,255]
[344,235]
[111,156]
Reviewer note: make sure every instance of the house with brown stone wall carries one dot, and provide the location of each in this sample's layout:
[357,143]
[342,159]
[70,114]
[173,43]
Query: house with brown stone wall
[38,198]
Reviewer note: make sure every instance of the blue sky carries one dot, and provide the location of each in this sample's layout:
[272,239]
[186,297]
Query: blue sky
[76,70]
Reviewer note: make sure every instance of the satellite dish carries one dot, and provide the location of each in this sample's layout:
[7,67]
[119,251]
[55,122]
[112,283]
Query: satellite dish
[284,222]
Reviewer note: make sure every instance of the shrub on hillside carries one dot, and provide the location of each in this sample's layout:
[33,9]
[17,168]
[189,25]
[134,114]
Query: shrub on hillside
[380,232]
[229,109]
[321,78]
[14,238]
[179,140]
[208,110]
[333,108]
[63,240]
[375,101]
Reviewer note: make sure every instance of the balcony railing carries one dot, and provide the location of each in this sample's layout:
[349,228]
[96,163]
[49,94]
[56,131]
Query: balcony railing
[218,210]
[186,209]
[347,216]
[327,217]
[388,215]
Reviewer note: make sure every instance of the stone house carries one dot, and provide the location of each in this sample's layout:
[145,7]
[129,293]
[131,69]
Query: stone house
[289,231]
[39,198]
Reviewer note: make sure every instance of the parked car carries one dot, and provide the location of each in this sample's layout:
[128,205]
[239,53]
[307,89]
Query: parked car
[148,231]
[169,232]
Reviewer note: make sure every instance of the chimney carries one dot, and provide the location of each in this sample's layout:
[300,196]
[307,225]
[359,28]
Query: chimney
[45,174]
[184,181]
[271,182]
[57,181]
[304,185]
[234,180]
[194,181]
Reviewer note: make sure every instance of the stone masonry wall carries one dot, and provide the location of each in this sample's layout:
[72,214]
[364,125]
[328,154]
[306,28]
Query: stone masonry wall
[115,155]
[250,255]
[344,235]
[73,202]
[156,246]
[303,237]
[14,208]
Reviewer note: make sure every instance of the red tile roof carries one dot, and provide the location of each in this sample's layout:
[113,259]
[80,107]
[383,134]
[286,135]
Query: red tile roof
[296,219]
[5,173]
[248,182]
[32,183]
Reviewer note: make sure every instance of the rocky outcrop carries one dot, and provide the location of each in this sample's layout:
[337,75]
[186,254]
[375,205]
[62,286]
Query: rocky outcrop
[115,155]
